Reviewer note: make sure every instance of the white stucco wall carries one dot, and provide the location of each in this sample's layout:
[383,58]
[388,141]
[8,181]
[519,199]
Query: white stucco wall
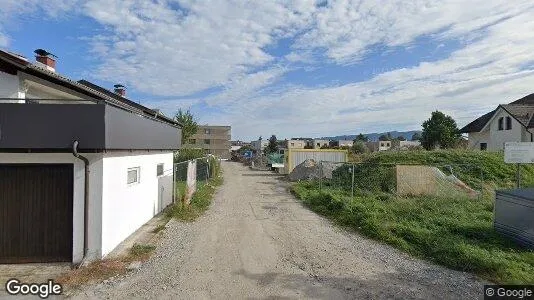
[126,207]
[9,86]
[499,137]
[475,138]
[78,194]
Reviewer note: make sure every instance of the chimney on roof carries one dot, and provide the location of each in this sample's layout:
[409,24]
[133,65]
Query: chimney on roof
[47,59]
[120,90]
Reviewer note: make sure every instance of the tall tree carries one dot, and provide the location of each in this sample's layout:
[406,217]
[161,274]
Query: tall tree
[383,137]
[416,136]
[359,147]
[401,138]
[190,125]
[440,131]
[361,137]
[272,147]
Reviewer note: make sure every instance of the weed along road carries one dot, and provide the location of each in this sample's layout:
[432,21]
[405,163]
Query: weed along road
[258,241]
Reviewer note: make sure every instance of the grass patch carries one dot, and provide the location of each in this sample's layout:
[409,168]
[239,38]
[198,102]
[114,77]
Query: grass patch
[200,201]
[159,228]
[140,252]
[455,232]
[475,168]
[101,270]
[94,272]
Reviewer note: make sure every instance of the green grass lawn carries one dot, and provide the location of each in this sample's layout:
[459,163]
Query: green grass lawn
[456,232]
[472,167]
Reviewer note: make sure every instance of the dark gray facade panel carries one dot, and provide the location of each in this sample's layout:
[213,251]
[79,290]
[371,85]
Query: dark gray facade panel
[126,130]
[54,126]
[514,215]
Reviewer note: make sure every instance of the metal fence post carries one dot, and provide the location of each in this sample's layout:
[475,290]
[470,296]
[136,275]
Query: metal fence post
[481,183]
[352,185]
[320,175]
[518,176]
[173,183]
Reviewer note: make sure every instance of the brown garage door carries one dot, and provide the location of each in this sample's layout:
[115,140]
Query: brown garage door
[36,212]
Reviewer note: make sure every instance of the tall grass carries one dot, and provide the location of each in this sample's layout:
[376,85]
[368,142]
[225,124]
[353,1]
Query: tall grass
[454,232]
[201,199]
[473,167]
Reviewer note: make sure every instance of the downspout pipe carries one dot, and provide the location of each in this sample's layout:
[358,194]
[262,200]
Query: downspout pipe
[85,200]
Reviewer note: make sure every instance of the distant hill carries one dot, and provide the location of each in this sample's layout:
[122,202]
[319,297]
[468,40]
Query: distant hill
[374,136]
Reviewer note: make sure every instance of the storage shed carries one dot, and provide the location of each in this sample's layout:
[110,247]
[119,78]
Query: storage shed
[514,215]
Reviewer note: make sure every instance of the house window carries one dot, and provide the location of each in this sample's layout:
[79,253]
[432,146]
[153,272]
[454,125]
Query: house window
[192,141]
[319,144]
[207,131]
[159,170]
[508,123]
[483,146]
[292,144]
[133,175]
[207,141]
[501,124]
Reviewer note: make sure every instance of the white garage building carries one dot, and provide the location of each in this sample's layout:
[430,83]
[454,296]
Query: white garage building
[81,167]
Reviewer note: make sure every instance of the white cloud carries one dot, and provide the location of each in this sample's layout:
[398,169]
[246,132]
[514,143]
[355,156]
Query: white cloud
[346,29]
[472,81]
[204,45]
[178,48]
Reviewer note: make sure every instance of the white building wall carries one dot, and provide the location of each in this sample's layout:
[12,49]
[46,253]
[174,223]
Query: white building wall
[259,145]
[345,143]
[9,86]
[296,144]
[475,138]
[78,194]
[126,207]
[317,144]
[499,137]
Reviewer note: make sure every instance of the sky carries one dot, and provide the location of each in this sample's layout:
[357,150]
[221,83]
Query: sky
[290,68]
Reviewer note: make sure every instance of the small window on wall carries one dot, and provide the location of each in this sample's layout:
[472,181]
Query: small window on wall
[159,170]
[508,123]
[483,146]
[501,124]
[134,175]
[207,141]
[207,131]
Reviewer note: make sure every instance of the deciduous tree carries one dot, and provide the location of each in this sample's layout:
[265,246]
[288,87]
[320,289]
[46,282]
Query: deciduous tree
[440,131]
[190,126]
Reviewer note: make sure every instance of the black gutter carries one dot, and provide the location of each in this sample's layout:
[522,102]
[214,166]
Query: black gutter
[85,199]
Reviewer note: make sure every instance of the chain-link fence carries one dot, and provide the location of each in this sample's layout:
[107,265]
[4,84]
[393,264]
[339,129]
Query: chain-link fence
[192,174]
[402,180]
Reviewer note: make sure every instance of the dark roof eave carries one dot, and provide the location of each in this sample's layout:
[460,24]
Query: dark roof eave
[130,102]
[26,66]
[478,124]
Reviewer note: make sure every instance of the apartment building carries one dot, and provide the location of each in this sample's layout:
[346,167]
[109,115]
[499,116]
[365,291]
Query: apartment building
[317,144]
[295,144]
[213,139]
[378,145]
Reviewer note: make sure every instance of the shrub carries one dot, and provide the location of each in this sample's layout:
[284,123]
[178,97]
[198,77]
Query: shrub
[188,154]
[369,177]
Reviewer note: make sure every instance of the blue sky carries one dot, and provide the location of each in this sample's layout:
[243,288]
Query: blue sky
[290,68]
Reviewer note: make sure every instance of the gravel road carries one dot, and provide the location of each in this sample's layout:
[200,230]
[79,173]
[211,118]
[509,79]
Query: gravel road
[257,241]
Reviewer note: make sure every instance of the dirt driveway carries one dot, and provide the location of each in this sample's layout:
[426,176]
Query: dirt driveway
[257,242]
